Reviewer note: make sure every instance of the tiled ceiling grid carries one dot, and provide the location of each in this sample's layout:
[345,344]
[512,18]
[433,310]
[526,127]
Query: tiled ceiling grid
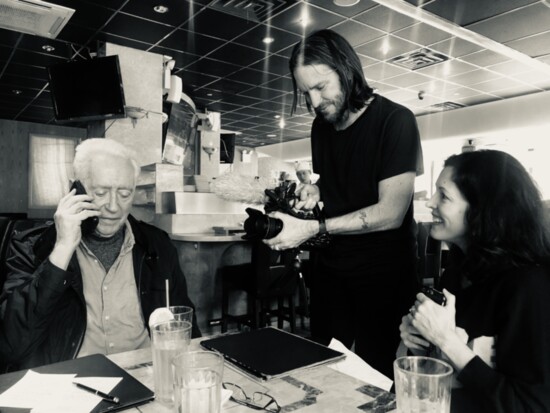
[226,67]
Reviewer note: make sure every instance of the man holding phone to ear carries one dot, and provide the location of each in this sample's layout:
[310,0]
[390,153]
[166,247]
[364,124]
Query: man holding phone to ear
[73,292]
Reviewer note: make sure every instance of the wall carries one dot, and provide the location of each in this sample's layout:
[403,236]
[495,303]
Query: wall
[269,167]
[14,159]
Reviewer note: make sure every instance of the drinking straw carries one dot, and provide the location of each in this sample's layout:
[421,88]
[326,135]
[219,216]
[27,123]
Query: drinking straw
[167,285]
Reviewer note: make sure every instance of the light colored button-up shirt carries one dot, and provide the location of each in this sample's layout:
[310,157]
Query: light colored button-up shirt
[114,317]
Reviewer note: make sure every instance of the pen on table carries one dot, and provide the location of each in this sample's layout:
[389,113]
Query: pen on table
[104,396]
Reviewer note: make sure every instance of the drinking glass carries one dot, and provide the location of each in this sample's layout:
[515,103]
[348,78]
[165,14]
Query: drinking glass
[422,384]
[169,339]
[182,313]
[198,382]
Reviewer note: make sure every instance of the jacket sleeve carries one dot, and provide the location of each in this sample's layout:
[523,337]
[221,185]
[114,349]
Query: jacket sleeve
[520,382]
[31,292]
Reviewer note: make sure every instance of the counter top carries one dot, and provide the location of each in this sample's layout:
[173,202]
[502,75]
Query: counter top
[207,237]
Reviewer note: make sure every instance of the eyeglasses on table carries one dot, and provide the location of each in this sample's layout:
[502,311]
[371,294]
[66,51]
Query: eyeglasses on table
[258,401]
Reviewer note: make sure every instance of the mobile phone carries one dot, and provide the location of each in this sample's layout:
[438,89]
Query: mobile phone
[434,295]
[89,225]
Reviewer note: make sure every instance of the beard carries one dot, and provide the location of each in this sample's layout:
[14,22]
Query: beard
[340,113]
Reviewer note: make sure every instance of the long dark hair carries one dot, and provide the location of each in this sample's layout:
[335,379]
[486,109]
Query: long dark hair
[329,48]
[506,222]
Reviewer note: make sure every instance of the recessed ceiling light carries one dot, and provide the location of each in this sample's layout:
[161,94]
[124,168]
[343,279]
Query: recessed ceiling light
[271,135]
[209,94]
[385,47]
[277,116]
[268,40]
[282,123]
[345,3]
[161,9]
[17,91]
[48,48]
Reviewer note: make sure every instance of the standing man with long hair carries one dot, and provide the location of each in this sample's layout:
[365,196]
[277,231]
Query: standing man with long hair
[367,152]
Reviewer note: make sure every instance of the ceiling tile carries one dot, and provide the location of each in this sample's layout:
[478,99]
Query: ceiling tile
[229,86]
[291,19]
[455,47]
[9,37]
[510,68]
[217,24]
[471,78]
[190,42]
[270,106]
[282,83]
[27,71]
[382,87]
[112,4]
[182,59]
[35,44]
[239,100]
[179,11]
[236,54]
[448,68]
[407,80]
[383,70]
[534,46]
[519,90]
[252,77]
[281,39]
[76,34]
[393,45]
[87,14]
[476,100]
[366,61]
[122,41]
[484,58]
[534,77]
[35,59]
[19,82]
[496,84]
[504,28]
[138,29]
[262,93]
[402,95]
[385,19]
[453,93]
[194,80]
[212,67]
[465,12]
[273,64]
[357,33]
[423,34]
[345,11]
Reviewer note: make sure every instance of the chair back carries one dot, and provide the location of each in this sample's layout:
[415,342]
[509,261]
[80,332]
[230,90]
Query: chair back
[274,271]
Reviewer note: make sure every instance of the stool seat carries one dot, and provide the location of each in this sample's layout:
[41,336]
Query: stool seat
[270,276]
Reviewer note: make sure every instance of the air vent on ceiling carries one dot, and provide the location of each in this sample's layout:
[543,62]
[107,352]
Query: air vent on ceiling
[447,106]
[256,10]
[34,17]
[419,59]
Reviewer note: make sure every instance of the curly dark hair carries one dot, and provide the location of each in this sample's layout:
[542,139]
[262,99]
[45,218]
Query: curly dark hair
[506,221]
[329,48]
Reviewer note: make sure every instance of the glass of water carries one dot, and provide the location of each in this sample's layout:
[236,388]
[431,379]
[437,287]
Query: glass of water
[198,382]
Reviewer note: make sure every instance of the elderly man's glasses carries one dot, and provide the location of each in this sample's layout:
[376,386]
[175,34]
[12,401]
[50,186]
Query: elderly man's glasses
[258,401]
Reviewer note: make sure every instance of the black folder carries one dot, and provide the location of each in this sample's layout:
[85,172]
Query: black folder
[129,390]
[269,353]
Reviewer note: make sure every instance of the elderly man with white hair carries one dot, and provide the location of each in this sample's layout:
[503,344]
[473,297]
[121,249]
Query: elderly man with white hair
[71,293]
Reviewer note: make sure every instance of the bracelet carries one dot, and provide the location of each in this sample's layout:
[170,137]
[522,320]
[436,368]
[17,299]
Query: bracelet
[322,226]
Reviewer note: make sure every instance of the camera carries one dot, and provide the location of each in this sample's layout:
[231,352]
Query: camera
[282,198]
[435,295]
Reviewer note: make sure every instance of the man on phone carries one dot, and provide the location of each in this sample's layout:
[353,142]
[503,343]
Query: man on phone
[74,292]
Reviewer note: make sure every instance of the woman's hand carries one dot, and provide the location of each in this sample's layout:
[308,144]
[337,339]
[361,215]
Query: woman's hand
[411,337]
[434,322]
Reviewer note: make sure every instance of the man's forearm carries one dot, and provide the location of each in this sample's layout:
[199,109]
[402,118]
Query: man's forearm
[365,220]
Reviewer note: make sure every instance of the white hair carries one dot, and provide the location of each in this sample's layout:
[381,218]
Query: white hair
[92,148]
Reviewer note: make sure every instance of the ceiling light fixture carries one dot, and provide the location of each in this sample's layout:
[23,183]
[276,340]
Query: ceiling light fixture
[345,3]
[271,135]
[161,9]
[277,116]
[282,123]
[268,40]
[304,19]
[17,91]
[48,48]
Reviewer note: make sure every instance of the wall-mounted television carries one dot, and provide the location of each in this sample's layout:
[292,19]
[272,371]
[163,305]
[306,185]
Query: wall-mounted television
[87,89]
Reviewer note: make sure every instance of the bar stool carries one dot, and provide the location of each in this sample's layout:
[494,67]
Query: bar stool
[270,276]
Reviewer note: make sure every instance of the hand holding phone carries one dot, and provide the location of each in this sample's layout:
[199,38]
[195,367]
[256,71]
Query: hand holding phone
[89,225]
[435,295]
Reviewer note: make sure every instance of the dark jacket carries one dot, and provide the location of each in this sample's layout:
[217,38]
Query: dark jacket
[44,311]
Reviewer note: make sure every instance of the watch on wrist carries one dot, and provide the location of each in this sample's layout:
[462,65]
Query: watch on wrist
[322,226]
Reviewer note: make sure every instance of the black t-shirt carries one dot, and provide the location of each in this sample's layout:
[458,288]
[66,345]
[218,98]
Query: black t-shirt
[383,142]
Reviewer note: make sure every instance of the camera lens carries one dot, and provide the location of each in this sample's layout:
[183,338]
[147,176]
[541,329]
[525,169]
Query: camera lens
[260,226]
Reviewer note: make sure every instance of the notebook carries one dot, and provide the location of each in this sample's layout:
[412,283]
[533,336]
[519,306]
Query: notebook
[269,353]
[130,391]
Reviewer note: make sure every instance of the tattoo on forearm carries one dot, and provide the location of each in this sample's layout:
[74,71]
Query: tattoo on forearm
[363,217]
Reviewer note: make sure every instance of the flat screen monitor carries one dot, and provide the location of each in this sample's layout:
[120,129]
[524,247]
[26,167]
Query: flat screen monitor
[87,89]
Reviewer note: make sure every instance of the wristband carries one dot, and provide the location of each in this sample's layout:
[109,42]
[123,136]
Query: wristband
[322,226]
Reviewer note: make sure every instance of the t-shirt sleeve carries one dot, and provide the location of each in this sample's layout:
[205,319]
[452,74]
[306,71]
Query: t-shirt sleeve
[401,145]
